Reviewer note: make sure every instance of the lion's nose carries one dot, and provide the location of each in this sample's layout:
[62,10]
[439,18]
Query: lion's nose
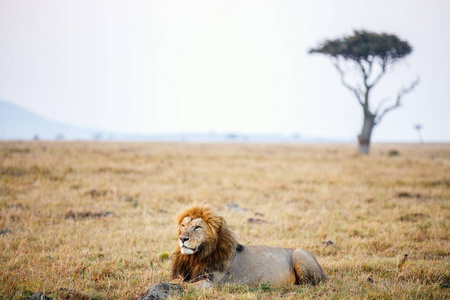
[184,239]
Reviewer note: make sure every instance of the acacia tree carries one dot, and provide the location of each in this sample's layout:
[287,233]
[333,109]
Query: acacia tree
[373,55]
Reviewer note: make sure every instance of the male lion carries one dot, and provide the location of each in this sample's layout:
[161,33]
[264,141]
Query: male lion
[209,254]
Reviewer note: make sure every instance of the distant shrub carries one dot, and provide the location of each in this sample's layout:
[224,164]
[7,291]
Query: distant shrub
[393,153]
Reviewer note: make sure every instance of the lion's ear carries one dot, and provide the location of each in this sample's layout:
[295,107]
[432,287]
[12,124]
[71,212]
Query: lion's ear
[179,218]
[216,223]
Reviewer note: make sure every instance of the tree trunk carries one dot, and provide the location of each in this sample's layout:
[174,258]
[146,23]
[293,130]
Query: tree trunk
[366,133]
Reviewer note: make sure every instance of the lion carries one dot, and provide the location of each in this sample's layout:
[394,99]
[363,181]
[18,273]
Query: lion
[208,254]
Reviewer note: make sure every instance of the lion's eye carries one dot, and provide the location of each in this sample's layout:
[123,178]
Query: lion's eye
[197,228]
[182,226]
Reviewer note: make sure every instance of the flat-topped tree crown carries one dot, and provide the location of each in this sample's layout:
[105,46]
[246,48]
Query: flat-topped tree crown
[368,46]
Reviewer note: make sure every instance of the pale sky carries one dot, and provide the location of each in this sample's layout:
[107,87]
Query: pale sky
[222,66]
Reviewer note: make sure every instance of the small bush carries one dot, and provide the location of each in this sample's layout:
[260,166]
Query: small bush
[393,153]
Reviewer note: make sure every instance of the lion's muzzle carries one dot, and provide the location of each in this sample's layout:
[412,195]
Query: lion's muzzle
[187,251]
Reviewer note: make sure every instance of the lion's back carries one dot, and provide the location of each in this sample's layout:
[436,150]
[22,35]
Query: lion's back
[261,264]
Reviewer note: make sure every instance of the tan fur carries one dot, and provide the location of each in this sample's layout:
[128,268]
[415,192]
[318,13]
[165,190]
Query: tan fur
[212,255]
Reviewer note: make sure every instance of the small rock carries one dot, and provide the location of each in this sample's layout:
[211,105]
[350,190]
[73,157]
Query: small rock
[84,215]
[234,207]
[5,231]
[162,290]
[37,296]
[369,279]
[328,243]
[256,220]
[109,214]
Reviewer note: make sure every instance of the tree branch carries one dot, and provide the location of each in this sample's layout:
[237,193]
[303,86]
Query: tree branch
[369,72]
[400,95]
[380,105]
[364,72]
[355,91]
[383,71]
[366,75]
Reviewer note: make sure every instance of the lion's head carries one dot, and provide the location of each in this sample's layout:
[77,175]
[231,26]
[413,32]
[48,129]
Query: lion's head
[205,243]
[192,234]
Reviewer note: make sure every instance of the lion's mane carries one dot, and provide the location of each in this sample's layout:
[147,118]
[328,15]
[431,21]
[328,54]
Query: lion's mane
[213,255]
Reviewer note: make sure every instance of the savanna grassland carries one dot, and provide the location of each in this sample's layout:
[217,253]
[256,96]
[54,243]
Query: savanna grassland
[82,220]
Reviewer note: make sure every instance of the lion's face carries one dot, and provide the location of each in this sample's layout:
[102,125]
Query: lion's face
[192,233]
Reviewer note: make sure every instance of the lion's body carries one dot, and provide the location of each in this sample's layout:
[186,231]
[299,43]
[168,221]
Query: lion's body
[210,254]
[261,264]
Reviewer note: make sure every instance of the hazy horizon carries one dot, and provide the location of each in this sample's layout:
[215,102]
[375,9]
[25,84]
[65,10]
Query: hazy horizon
[225,66]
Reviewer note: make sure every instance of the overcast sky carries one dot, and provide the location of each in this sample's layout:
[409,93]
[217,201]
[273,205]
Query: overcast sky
[222,66]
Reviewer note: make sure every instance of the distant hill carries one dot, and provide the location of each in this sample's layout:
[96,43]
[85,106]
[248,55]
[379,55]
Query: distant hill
[17,123]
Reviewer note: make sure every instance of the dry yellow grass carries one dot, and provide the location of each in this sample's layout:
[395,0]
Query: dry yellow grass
[374,209]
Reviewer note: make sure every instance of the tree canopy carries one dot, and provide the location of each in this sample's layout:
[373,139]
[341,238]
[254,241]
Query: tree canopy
[366,46]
